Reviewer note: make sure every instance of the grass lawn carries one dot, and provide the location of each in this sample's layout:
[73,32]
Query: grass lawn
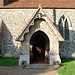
[68,67]
[8,61]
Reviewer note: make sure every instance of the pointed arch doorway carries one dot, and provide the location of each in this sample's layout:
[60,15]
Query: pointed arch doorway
[39,48]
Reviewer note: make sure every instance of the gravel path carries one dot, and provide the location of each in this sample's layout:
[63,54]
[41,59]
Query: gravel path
[16,70]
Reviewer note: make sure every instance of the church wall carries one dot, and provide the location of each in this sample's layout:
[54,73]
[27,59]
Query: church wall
[14,21]
[67,48]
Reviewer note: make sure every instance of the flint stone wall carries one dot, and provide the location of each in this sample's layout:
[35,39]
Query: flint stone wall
[14,20]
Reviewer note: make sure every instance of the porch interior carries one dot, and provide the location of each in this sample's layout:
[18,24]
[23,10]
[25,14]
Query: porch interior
[39,48]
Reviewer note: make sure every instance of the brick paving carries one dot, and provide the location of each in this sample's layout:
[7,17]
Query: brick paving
[16,70]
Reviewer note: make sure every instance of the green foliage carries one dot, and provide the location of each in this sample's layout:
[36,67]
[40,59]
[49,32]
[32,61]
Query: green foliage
[8,61]
[68,67]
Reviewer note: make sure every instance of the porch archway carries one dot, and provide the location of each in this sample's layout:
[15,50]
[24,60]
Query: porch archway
[39,48]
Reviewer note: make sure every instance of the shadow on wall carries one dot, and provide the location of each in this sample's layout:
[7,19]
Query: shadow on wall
[54,17]
[8,47]
[0,36]
[66,48]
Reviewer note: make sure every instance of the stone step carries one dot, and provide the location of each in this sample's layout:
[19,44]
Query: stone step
[41,66]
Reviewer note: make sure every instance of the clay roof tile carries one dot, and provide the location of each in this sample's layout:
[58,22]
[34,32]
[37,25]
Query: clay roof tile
[44,4]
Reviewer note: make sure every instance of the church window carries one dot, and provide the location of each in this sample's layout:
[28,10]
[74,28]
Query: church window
[64,27]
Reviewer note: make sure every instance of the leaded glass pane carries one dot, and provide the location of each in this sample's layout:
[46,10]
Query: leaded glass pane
[66,30]
[61,27]
[63,17]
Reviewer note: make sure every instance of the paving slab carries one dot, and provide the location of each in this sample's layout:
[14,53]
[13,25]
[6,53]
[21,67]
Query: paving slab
[16,70]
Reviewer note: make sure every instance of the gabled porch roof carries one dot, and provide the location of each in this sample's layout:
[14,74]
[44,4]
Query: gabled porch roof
[26,28]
